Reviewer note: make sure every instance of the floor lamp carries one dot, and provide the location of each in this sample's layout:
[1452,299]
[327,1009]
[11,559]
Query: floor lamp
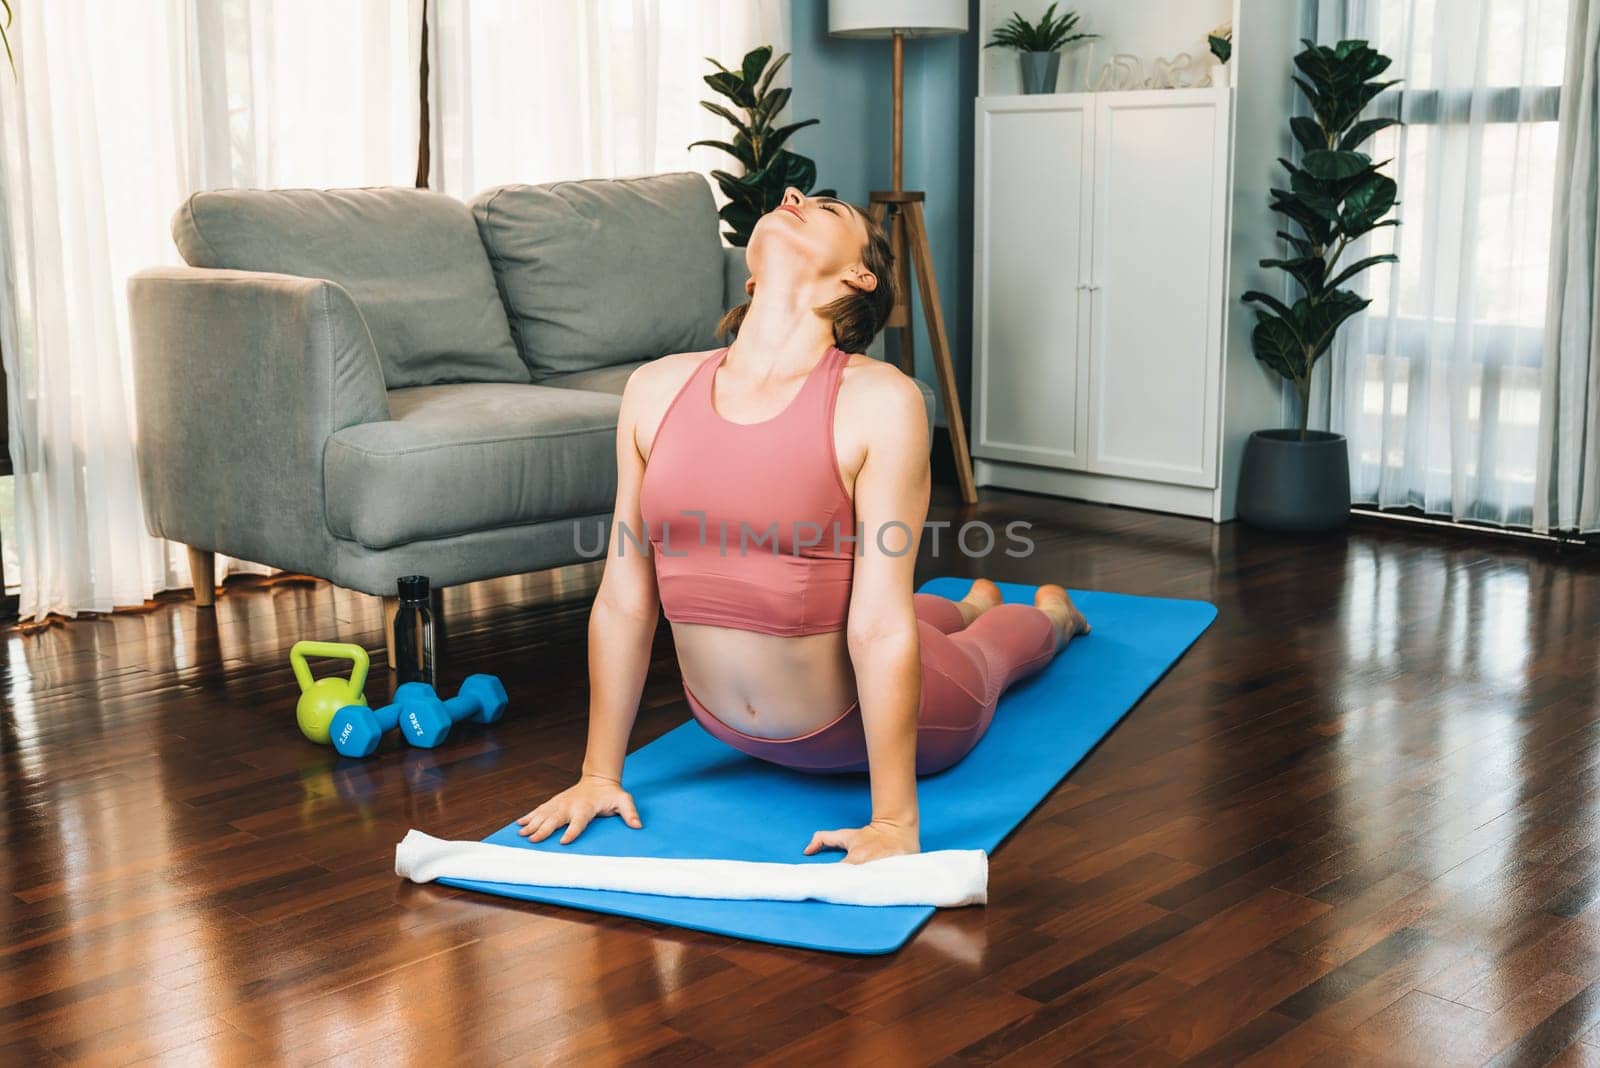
[908,229]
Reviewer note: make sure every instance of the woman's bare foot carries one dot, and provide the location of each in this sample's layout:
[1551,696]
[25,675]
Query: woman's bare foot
[1053,601]
[983,596]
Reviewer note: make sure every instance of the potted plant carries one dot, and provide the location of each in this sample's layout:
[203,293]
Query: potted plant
[1037,45]
[1220,41]
[1300,479]
[769,168]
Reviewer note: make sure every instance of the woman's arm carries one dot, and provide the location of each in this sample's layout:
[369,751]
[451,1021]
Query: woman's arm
[891,503]
[623,621]
[622,627]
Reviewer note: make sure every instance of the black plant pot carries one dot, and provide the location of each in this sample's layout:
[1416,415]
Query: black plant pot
[1293,485]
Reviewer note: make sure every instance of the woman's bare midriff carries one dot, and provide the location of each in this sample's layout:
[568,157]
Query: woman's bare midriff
[768,685]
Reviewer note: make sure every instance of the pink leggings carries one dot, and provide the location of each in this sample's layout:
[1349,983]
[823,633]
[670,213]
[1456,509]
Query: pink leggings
[964,672]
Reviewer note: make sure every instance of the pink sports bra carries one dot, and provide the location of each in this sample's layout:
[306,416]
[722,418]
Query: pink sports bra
[750,524]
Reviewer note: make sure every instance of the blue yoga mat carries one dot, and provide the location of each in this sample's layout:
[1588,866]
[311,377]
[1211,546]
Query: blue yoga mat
[699,798]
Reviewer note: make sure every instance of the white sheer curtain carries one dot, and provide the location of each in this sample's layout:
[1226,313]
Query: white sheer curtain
[1569,446]
[119,111]
[315,94]
[1437,385]
[537,92]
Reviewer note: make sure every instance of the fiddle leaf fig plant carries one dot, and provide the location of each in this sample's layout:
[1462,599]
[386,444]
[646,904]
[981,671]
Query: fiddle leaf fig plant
[757,144]
[1336,195]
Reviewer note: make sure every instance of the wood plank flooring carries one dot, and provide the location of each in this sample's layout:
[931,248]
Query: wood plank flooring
[1356,824]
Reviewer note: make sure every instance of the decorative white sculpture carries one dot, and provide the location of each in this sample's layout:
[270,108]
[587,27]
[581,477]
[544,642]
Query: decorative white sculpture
[1126,71]
[1173,73]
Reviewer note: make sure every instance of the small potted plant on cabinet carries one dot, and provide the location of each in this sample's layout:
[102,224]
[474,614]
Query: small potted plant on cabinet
[1299,480]
[1038,46]
[1220,41]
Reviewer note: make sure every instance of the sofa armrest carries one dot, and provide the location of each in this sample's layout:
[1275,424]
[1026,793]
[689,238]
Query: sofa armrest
[240,377]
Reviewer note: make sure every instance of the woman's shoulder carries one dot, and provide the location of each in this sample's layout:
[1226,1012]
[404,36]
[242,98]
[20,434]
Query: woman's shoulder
[879,387]
[652,386]
[666,372]
[677,362]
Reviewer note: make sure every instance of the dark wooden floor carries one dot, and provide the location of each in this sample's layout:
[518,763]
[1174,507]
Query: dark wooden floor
[1357,823]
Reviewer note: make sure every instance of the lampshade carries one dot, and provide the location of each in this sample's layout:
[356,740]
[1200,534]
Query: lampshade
[883,18]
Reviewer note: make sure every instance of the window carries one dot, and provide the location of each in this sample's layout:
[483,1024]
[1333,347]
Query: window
[1439,386]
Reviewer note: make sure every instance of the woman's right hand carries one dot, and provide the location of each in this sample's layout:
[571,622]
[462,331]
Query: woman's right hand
[574,807]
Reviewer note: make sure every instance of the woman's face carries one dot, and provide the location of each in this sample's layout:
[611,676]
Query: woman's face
[823,234]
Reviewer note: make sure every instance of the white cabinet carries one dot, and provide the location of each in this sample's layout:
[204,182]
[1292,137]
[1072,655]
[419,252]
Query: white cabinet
[1032,190]
[1160,194]
[1099,290]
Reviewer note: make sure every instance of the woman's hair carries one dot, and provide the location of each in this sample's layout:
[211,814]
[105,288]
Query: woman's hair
[857,316]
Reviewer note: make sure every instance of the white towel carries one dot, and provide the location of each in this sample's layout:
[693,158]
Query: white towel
[944,878]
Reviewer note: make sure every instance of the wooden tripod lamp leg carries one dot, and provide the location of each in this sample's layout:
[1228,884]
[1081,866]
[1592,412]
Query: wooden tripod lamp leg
[900,314]
[902,271]
[942,366]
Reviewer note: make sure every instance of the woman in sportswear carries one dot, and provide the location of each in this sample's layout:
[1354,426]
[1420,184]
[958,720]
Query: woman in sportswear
[780,485]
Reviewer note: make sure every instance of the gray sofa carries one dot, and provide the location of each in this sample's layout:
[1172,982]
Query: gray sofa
[361,384]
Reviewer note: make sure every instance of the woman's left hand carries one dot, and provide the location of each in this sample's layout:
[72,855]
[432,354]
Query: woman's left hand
[878,839]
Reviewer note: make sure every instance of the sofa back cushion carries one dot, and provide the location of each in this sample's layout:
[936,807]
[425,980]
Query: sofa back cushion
[409,258]
[605,271]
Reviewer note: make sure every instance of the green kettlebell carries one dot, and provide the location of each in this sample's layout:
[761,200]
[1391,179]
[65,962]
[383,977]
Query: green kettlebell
[321,698]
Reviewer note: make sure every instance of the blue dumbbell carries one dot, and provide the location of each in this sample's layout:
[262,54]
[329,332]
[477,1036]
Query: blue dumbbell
[426,723]
[356,730]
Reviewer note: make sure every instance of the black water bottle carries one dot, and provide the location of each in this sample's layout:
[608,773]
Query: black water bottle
[413,632]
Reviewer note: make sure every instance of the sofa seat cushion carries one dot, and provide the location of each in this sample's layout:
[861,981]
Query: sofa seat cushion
[409,258]
[605,271]
[454,459]
[610,379]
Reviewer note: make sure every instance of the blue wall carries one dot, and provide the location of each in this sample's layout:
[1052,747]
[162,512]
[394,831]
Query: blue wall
[847,84]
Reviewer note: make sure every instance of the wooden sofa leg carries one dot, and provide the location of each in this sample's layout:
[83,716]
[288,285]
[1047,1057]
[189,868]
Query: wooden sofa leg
[391,608]
[203,576]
